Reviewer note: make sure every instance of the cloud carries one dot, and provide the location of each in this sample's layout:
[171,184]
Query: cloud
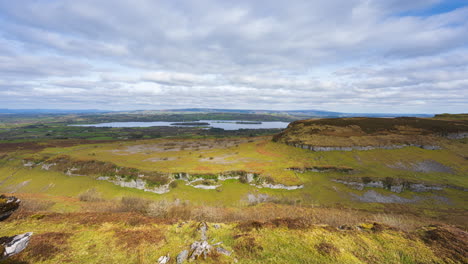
[355,55]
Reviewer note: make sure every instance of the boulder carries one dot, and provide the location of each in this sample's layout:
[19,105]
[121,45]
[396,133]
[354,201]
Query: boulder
[8,204]
[223,251]
[164,259]
[182,257]
[10,246]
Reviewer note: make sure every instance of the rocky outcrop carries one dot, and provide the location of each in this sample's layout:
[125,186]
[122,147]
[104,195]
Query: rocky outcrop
[396,186]
[8,204]
[279,186]
[13,245]
[459,135]
[201,248]
[324,148]
[10,246]
[135,179]
[137,184]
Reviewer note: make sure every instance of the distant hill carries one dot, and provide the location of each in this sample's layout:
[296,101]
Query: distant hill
[374,132]
[296,114]
[50,111]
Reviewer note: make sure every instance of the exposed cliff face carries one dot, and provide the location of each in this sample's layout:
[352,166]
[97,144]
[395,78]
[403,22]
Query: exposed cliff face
[346,134]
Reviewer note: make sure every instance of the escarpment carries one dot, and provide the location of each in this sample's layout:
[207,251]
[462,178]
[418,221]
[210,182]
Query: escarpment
[347,134]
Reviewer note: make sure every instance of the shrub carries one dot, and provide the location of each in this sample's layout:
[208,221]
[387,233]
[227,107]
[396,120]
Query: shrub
[326,248]
[173,184]
[134,204]
[91,195]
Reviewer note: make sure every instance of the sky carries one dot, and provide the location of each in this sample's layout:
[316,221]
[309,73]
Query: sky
[374,56]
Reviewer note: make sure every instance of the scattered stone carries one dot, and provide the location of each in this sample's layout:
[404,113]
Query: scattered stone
[321,148]
[164,259]
[13,245]
[280,186]
[203,227]
[223,251]
[200,248]
[182,257]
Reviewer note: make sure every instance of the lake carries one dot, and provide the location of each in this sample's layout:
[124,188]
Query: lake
[224,124]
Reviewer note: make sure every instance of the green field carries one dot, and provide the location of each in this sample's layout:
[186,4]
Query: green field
[77,218]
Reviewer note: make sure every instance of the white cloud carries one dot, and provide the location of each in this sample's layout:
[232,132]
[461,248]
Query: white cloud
[354,55]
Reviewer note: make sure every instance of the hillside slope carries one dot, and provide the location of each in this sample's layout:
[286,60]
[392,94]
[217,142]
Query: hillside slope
[371,132]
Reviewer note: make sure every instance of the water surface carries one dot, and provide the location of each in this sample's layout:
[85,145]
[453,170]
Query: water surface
[224,124]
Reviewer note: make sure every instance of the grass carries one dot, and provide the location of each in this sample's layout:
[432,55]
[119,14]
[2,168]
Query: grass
[130,238]
[258,155]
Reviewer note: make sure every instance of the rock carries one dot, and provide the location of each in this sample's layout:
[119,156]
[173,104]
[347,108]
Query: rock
[199,249]
[223,251]
[182,257]
[8,204]
[206,187]
[280,186]
[203,227]
[10,246]
[216,226]
[164,259]
[46,166]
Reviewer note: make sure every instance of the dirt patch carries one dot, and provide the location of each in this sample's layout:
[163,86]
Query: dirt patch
[132,239]
[45,246]
[247,246]
[291,223]
[328,249]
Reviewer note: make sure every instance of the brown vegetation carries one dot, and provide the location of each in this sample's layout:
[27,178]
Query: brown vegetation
[448,242]
[131,239]
[246,245]
[45,246]
[326,248]
[346,132]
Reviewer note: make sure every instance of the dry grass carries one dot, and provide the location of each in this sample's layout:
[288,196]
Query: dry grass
[91,195]
[327,249]
[247,246]
[131,239]
[45,246]
[448,242]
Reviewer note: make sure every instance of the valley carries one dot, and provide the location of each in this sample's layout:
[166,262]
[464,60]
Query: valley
[336,186]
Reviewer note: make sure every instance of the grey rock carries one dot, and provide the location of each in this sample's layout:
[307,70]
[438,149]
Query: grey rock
[203,227]
[14,245]
[223,251]
[8,205]
[182,257]
[322,148]
[164,259]
[200,249]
